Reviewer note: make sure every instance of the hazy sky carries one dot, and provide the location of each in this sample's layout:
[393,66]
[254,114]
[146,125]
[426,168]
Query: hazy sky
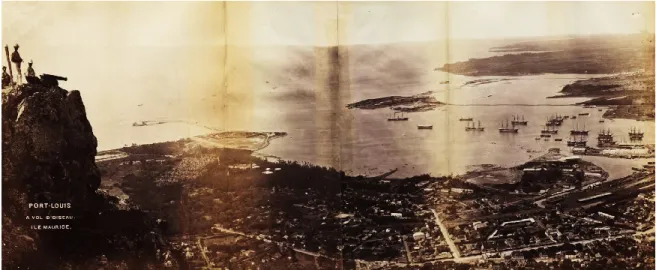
[161,24]
[383,22]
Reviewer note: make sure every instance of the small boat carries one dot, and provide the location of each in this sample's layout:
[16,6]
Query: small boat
[467,119]
[424,126]
[589,106]
[601,121]
[537,139]
[558,139]
[397,118]
[545,135]
[546,139]
[600,110]
[585,113]
[573,116]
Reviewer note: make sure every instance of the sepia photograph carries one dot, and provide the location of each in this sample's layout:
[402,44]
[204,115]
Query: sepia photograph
[262,135]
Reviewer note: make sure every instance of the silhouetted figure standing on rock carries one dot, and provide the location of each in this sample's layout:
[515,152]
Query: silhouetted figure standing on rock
[30,70]
[17,60]
[6,79]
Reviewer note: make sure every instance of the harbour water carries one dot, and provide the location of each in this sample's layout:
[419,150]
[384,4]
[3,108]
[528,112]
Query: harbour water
[364,142]
[368,144]
[321,130]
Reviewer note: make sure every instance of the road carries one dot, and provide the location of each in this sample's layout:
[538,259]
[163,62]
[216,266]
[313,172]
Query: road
[447,237]
[586,241]
[266,239]
[454,250]
[202,253]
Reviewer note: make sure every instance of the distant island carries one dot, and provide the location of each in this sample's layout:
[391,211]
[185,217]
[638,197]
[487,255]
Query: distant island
[417,103]
[579,55]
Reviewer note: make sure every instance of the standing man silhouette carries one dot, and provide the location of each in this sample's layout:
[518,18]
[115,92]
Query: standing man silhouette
[30,70]
[6,79]
[16,59]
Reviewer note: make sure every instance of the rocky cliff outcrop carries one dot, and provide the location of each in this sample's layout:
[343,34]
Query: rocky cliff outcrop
[48,146]
[48,156]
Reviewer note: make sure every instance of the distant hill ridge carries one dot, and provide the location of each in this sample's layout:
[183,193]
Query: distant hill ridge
[577,55]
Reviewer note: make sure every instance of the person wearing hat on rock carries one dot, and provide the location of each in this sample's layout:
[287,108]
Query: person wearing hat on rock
[16,59]
[30,70]
[6,79]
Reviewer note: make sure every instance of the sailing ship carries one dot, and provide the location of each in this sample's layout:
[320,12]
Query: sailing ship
[398,117]
[470,126]
[517,121]
[473,127]
[480,128]
[635,134]
[549,130]
[555,120]
[577,141]
[605,139]
[578,131]
[507,128]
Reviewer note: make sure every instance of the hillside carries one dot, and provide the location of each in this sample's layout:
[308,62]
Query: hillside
[627,95]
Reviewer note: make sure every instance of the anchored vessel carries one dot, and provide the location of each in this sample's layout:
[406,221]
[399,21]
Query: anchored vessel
[479,128]
[555,120]
[425,126]
[470,127]
[578,131]
[577,141]
[467,119]
[635,134]
[507,128]
[517,121]
[605,139]
[549,130]
[473,127]
[397,117]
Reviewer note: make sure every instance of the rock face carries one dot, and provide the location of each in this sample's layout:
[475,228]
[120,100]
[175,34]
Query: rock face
[48,146]
[48,156]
